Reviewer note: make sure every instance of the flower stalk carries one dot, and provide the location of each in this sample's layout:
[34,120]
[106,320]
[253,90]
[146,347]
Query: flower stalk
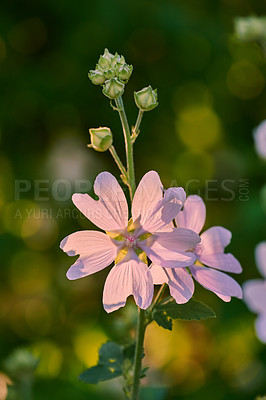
[129,146]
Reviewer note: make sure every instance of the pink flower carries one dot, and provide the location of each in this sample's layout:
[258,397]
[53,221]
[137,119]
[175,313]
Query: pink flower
[151,213]
[255,292]
[209,252]
[260,139]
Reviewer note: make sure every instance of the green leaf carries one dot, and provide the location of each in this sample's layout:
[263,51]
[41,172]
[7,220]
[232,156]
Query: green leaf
[162,319]
[113,361]
[167,310]
[109,365]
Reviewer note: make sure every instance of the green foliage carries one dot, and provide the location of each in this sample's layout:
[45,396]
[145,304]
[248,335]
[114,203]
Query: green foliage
[114,361]
[167,310]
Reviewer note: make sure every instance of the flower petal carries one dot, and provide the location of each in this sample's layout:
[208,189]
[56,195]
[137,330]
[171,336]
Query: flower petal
[193,214]
[216,281]
[214,240]
[180,283]
[131,276]
[255,295]
[148,194]
[165,257]
[159,275]
[224,298]
[150,209]
[110,212]
[261,327]
[225,262]
[178,239]
[260,255]
[96,250]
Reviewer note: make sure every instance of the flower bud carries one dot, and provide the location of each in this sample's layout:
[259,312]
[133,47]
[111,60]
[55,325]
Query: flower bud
[146,99]
[249,29]
[113,88]
[97,77]
[101,138]
[105,60]
[124,72]
[109,74]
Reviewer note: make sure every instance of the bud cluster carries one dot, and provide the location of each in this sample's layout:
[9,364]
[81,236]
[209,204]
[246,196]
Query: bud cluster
[250,29]
[112,72]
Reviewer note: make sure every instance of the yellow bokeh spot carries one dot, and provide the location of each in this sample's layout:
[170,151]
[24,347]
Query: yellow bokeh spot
[245,80]
[87,344]
[198,126]
[193,168]
[51,359]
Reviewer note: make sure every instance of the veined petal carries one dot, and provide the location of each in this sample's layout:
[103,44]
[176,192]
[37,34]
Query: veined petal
[193,214]
[216,281]
[214,240]
[110,212]
[226,299]
[159,275]
[166,210]
[177,239]
[96,250]
[180,283]
[148,194]
[260,255]
[165,257]
[131,276]
[86,242]
[225,262]
[261,327]
[255,295]
[150,209]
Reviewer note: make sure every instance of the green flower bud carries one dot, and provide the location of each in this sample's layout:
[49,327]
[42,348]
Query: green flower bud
[101,138]
[105,60]
[109,74]
[117,61]
[125,72]
[113,88]
[97,77]
[249,29]
[146,99]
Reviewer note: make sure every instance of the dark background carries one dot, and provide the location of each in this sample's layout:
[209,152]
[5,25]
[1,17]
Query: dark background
[212,94]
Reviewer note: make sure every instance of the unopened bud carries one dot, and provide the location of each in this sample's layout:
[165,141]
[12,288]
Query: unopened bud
[249,29]
[105,60]
[113,88]
[146,99]
[109,74]
[96,77]
[101,138]
[125,72]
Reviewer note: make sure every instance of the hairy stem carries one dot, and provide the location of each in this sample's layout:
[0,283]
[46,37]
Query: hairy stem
[138,354]
[135,129]
[118,161]
[129,146]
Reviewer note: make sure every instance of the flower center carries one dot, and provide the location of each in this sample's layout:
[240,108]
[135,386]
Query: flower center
[131,241]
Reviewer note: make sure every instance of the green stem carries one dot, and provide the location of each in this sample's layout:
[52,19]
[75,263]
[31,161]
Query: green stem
[138,354]
[159,295]
[118,161]
[129,146]
[137,125]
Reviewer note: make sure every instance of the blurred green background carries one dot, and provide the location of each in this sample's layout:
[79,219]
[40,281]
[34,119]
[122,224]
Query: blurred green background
[212,94]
